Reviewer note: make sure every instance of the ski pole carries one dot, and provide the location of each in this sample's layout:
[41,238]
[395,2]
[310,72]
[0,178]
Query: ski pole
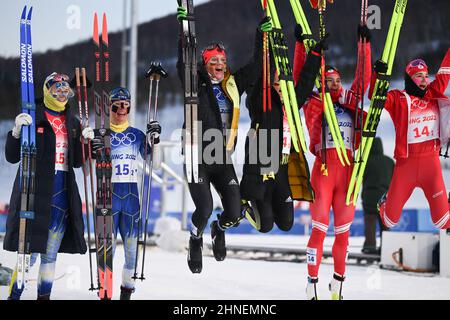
[324,167]
[83,152]
[154,74]
[359,112]
[144,183]
[264,96]
[90,167]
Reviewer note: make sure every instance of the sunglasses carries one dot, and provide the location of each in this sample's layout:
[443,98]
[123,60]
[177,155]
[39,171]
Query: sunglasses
[120,104]
[213,46]
[57,78]
[417,62]
[62,89]
[62,85]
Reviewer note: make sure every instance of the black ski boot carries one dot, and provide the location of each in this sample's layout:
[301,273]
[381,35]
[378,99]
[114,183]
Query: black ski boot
[44,297]
[125,293]
[218,241]
[194,257]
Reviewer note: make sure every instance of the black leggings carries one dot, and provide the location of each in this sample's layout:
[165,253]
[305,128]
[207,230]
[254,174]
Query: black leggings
[277,206]
[224,180]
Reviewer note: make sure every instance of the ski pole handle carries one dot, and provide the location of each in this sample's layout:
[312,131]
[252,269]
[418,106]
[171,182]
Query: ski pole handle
[77,76]
[83,75]
[78,83]
[156,69]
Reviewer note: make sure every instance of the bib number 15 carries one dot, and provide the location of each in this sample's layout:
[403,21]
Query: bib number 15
[122,170]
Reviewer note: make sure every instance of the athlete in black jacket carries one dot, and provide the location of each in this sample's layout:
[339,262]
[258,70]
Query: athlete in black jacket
[219,92]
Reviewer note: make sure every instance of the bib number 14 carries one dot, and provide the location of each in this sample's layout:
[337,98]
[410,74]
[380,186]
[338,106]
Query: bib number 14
[425,132]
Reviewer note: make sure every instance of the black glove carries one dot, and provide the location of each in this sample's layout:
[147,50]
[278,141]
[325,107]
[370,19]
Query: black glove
[97,144]
[364,33]
[380,66]
[181,13]
[322,44]
[265,25]
[298,33]
[154,129]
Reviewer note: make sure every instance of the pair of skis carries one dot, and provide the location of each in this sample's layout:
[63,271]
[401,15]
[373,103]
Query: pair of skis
[27,183]
[281,57]
[155,73]
[378,100]
[191,134]
[103,208]
[330,115]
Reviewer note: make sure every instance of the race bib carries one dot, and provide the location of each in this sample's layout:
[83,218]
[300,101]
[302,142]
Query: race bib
[423,121]
[58,124]
[124,155]
[311,256]
[225,107]
[345,122]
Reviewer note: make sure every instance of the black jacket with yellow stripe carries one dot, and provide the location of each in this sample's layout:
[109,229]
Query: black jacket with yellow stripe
[233,85]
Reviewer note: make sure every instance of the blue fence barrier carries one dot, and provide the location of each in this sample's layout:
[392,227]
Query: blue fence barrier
[412,220]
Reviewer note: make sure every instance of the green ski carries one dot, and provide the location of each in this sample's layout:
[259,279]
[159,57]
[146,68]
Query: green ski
[329,113]
[378,100]
[283,66]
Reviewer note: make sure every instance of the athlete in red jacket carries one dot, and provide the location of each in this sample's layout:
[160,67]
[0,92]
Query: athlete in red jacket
[330,184]
[421,116]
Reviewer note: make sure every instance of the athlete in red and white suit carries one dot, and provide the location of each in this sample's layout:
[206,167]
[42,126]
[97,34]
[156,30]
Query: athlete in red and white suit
[421,116]
[331,187]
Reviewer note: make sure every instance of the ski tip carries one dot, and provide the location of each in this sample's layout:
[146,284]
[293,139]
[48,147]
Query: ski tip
[30,13]
[104,29]
[95,33]
[24,13]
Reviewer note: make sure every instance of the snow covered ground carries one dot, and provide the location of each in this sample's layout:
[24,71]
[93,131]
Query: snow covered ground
[168,277]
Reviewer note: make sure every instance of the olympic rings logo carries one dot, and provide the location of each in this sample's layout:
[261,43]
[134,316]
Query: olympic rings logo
[338,110]
[419,103]
[59,126]
[219,94]
[120,138]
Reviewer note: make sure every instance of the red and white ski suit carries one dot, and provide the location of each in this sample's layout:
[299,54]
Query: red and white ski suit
[422,126]
[331,189]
